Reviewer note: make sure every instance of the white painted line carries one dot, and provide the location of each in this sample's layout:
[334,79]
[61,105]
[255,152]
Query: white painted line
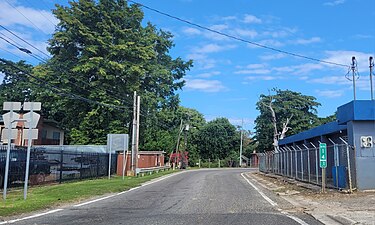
[298,220]
[124,192]
[95,200]
[89,202]
[259,191]
[30,217]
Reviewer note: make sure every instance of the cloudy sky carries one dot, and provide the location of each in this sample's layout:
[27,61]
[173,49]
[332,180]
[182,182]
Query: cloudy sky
[230,72]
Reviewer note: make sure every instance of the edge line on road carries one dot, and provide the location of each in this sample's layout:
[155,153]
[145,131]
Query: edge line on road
[259,191]
[89,202]
[124,192]
[31,217]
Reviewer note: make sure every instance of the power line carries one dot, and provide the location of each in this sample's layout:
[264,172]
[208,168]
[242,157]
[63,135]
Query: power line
[43,14]
[23,40]
[25,17]
[60,91]
[238,38]
[24,50]
[114,96]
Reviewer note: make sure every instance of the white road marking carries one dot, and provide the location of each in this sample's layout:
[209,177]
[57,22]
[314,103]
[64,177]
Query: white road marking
[89,202]
[124,192]
[30,217]
[95,200]
[298,220]
[259,191]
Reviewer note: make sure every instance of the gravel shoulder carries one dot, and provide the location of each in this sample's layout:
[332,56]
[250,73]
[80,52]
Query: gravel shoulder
[332,207]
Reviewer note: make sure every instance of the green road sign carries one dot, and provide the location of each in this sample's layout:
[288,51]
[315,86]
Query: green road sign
[323,155]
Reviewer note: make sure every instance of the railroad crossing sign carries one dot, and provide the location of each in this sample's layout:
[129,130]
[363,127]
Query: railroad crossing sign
[323,155]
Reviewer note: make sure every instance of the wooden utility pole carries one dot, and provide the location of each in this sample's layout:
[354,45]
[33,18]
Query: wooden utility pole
[132,169]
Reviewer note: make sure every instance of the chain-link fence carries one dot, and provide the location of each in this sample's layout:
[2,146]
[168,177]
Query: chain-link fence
[301,162]
[48,165]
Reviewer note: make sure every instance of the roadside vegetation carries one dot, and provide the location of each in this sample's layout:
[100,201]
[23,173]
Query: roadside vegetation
[42,197]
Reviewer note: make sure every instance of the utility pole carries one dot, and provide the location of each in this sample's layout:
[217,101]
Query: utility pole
[177,146]
[241,145]
[134,133]
[371,84]
[354,65]
[137,133]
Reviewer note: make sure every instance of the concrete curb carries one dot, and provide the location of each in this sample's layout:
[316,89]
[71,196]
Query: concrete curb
[342,220]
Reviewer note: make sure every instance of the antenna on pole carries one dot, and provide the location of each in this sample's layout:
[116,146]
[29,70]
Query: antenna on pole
[371,61]
[354,65]
[355,75]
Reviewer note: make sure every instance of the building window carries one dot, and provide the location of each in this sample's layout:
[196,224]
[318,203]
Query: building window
[56,135]
[44,134]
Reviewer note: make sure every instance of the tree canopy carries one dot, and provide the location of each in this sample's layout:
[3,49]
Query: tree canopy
[302,110]
[101,53]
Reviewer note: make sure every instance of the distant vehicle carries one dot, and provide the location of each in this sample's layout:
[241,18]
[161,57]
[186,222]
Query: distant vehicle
[38,170]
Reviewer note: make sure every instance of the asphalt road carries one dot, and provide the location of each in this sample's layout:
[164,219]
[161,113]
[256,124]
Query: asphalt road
[217,196]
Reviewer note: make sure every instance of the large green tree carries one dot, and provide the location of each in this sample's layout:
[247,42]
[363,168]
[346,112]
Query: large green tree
[101,51]
[218,139]
[293,112]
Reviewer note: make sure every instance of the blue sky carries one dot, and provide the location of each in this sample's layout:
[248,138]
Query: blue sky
[229,75]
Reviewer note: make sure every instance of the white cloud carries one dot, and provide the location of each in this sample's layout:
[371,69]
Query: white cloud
[212,48]
[205,85]
[246,33]
[265,78]
[254,71]
[345,58]
[330,93]
[272,56]
[208,75]
[338,80]
[191,31]
[267,42]
[280,32]
[334,3]
[251,19]
[255,66]
[227,18]
[307,41]
[14,16]
[202,60]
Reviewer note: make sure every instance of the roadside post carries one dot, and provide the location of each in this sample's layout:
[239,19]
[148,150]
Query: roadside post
[323,163]
[9,133]
[31,122]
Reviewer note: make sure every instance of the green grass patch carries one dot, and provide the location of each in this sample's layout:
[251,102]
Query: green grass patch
[42,197]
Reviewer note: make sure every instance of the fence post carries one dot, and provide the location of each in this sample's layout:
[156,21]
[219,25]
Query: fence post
[316,163]
[335,157]
[301,161]
[308,162]
[295,160]
[80,171]
[349,167]
[61,165]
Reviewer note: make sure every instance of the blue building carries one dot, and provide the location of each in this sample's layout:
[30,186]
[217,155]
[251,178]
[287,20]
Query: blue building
[350,150]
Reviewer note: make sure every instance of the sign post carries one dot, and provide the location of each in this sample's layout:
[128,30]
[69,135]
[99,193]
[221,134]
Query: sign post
[9,118]
[323,163]
[32,119]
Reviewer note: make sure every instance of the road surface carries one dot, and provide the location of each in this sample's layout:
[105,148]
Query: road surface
[211,196]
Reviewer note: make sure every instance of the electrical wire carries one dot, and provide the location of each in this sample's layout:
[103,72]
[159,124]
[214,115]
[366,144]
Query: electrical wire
[42,13]
[237,38]
[25,17]
[24,50]
[60,91]
[24,40]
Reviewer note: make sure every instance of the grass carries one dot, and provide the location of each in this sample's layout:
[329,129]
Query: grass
[42,197]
